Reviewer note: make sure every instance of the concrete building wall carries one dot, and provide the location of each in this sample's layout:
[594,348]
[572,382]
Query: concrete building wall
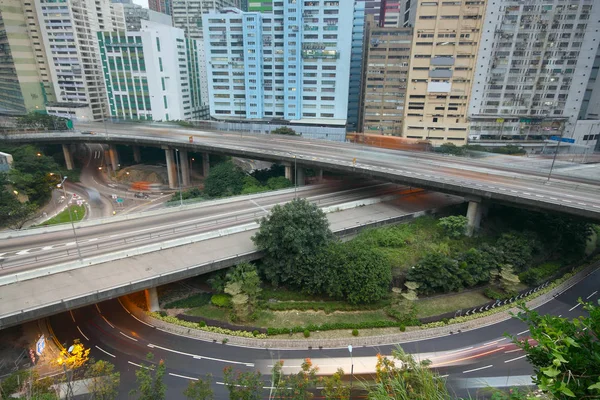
[587,133]
[590,108]
[445,45]
[387,57]
[134,14]
[21,87]
[535,61]
[356,64]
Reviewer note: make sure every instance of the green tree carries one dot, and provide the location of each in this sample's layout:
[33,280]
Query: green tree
[454,226]
[451,148]
[224,179]
[279,182]
[518,249]
[408,380]
[102,380]
[477,266]
[199,389]
[243,385]
[566,357]
[37,120]
[290,236]
[334,387]
[150,380]
[13,213]
[437,272]
[252,185]
[294,386]
[284,130]
[243,284]
[355,272]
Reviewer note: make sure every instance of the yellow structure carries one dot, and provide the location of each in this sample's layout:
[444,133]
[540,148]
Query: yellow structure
[445,43]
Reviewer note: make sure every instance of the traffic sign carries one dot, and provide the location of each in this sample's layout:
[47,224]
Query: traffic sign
[114,196]
[119,200]
[562,139]
[79,202]
[40,345]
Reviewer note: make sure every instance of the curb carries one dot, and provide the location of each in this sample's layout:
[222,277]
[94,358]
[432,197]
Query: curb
[412,335]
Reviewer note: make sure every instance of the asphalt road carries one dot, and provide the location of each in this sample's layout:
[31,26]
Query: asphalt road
[38,250]
[468,360]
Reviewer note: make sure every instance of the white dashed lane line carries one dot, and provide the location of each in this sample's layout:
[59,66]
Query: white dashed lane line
[183,376]
[521,333]
[138,365]
[82,334]
[198,357]
[106,352]
[515,359]
[128,337]
[574,307]
[477,369]
[587,298]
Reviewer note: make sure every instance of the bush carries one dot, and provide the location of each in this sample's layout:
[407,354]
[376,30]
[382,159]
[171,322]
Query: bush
[535,276]
[221,300]
[284,130]
[225,179]
[255,333]
[496,294]
[354,332]
[196,300]
[306,333]
[162,313]
[451,148]
[454,226]
[225,340]
[402,328]
[201,324]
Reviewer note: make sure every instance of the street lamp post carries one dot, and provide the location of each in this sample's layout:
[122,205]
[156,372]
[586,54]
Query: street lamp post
[62,184]
[556,151]
[351,368]
[295,174]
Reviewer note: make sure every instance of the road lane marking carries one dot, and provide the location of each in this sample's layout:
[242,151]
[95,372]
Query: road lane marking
[106,352]
[458,351]
[72,316]
[128,337]
[23,252]
[477,369]
[183,376]
[259,206]
[98,308]
[512,351]
[515,359]
[197,357]
[138,365]
[567,201]
[103,317]
[494,342]
[93,239]
[587,298]
[525,331]
[139,320]
[47,247]
[82,334]
[574,307]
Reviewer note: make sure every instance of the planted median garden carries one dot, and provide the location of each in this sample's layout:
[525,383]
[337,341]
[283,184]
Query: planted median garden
[385,280]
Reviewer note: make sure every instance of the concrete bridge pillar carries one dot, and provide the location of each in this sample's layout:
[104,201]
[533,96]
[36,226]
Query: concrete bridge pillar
[205,164]
[288,172]
[114,156]
[184,164]
[319,175]
[137,156]
[171,169]
[68,156]
[300,176]
[474,213]
[152,299]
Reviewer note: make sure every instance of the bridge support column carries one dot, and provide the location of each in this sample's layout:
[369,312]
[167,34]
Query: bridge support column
[184,164]
[171,169]
[114,156]
[288,172]
[474,213]
[205,164]
[152,299]
[137,156]
[68,156]
[300,176]
[319,175]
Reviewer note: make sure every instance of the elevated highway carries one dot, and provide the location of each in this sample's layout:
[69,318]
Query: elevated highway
[475,180]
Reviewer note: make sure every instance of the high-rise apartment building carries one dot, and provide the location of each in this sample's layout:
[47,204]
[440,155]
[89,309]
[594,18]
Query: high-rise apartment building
[446,40]
[161,6]
[260,6]
[69,31]
[134,14]
[534,64]
[387,56]
[187,15]
[293,64]
[590,108]
[152,74]
[21,87]
[356,65]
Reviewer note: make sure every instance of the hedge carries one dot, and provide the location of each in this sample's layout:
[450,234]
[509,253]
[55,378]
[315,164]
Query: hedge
[328,307]
[213,329]
[196,300]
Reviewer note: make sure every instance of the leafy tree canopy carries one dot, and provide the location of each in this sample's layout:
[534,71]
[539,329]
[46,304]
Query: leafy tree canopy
[284,130]
[224,179]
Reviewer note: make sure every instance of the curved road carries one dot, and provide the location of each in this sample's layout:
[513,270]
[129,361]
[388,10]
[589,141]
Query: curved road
[468,360]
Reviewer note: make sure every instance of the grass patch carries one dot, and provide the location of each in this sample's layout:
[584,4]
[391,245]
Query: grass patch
[77,213]
[287,319]
[193,301]
[283,294]
[211,312]
[427,307]
[326,306]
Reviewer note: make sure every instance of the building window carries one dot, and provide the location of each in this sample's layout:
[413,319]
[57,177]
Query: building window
[158,43]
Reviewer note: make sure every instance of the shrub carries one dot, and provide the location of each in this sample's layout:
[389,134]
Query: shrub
[201,324]
[492,294]
[402,328]
[354,332]
[454,226]
[255,333]
[225,340]
[535,276]
[196,300]
[221,300]
[162,313]
[306,333]
[213,329]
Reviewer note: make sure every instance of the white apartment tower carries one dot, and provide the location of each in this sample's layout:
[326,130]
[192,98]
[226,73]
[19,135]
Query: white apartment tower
[534,63]
[187,15]
[69,32]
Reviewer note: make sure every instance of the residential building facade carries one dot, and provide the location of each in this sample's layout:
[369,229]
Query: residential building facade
[446,40]
[387,57]
[533,68]
[187,15]
[134,14]
[293,64]
[68,30]
[161,6]
[590,108]
[21,86]
[152,74]
[356,66]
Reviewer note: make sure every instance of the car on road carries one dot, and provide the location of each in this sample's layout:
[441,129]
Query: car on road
[88,133]
[140,195]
